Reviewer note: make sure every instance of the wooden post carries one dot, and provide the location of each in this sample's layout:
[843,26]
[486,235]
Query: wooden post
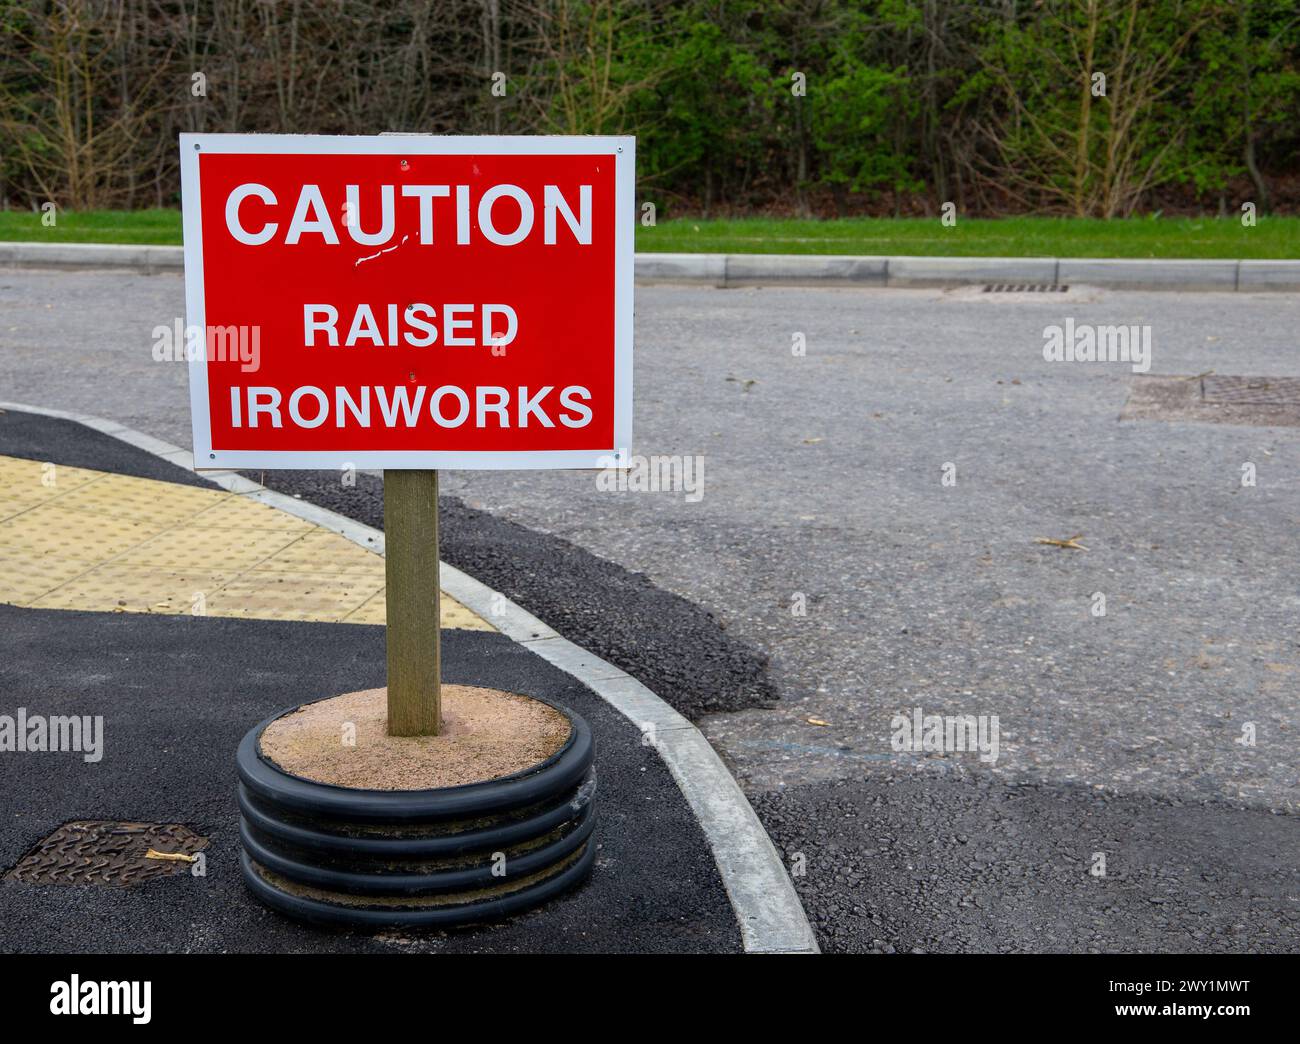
[411,595]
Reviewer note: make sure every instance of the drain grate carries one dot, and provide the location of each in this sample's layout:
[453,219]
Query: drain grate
[101,852]
[1215,398]
[1251,391]
[1026,288]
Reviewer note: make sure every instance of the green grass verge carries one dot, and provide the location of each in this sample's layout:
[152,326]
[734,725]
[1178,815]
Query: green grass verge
[1273,237]
[161,227]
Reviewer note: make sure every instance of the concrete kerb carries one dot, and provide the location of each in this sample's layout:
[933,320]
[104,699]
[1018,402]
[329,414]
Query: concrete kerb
[735,270]
[139,258]
[1156,275]
[763,899]
[957,271]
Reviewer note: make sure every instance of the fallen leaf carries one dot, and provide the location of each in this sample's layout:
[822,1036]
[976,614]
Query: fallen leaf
[1068,542]
[817,721]
[171,857]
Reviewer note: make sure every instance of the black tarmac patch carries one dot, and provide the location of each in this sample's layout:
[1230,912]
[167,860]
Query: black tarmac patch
[678,650]
[970,865]
[35,437]
[178,692]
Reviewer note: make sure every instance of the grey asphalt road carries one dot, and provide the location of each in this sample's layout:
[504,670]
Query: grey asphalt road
[823,489]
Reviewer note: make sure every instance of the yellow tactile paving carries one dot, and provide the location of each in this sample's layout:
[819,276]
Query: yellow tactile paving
[24,577]
[232,512]
[372,611]
[225,549]
[136,500]
[303,555]
[72,538]
[47,531]
[35,480]
[453,614]
[287,596]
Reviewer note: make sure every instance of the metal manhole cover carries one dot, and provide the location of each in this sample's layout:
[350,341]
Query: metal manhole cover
[101,852]
[1264,402]
[1251,391]
[1026,288]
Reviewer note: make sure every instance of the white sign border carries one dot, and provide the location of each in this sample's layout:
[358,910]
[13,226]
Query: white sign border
[621,149]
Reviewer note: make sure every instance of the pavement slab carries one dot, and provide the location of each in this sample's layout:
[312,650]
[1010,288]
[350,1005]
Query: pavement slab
[79,538]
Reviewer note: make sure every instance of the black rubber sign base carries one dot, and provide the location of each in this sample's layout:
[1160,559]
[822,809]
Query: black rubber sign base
[350,858]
